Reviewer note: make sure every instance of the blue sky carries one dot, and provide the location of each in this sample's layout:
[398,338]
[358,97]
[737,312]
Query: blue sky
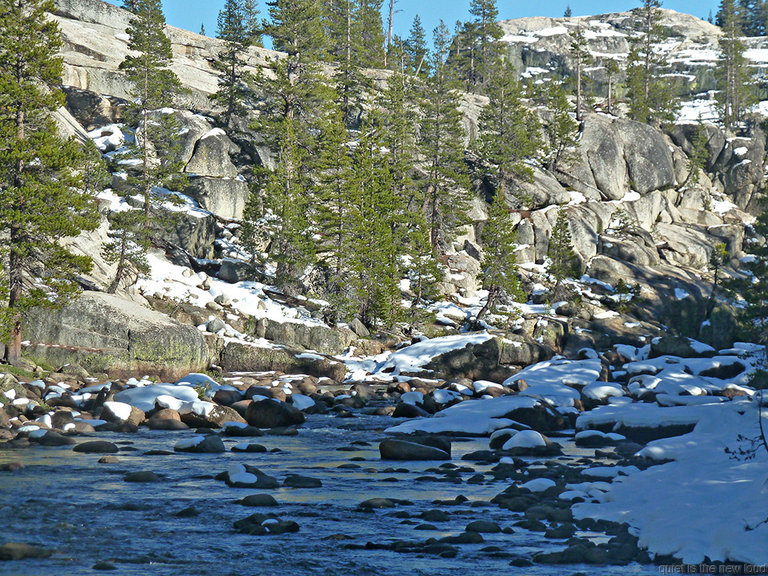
[190,14]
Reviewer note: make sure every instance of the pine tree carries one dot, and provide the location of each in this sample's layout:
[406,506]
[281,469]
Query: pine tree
[334,198]
[568,12]
[398,121]
[752,17]
[560,129]
[651,97]
[697,157]
[731,73]
[295,27]
[441,143]
[129,240]
[369,34]
[202,29]
[390,28]
[499,265]
[416,49]
[509,132]
[562,259]
[153,86]
[488,33]
[611,72]
[293,96]
[41,196]
[373,262]
[237,27]
[582,56]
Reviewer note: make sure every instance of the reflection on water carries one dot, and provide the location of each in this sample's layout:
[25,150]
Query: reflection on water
[83,509]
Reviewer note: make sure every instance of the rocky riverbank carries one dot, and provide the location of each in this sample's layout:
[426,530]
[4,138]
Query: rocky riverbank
[519,472]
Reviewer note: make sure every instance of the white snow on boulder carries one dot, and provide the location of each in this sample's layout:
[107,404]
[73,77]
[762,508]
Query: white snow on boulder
[525,439]
[144,397]
[475,417]
[416,356]
[121,410]
[538,484]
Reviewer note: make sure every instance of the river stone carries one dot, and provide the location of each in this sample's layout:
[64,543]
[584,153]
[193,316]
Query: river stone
[247,357]
[273,414]
[116,412]
[258,500]
[372,503]
[21,551]
[395,449]
[96,447]
[53,438]
[211,444]
[483,526]
[142,476]
[216,418]
[297,481]
[404,410]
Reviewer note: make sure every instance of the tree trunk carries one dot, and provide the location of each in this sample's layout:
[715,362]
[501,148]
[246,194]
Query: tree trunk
[389,30]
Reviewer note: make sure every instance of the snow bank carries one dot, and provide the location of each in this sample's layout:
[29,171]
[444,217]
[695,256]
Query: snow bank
[704,506]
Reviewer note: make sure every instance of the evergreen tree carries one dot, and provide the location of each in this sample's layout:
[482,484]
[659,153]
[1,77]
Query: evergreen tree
[731,72]
[153,86]
[752,16]
[351,84]
[129,240]
[560,129]
[202,29]
[373,262]
[499,265]
[398,121]
[41,196]
[441,142]
[390,27]
[568,12]
[697,157]
[611,72]
[562,259]
[488,33]
[509,132]
[93,169]
[651,97]
[237,27]
[369,34]
[334,199]
[582,56]
[295,27]
[293,96]
[416,49]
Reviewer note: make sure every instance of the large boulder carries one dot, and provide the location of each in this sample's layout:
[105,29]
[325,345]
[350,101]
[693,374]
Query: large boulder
[224,197]
[211,156]
[316,336]
[273,414]
[245,357]
[622,154]
[105,333]
[415,448]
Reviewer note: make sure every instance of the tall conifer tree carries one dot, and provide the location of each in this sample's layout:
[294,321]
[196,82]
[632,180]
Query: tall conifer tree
[442,147]
[41,195]
[238,27]
[509,132]
[487,33]
[731,73]
[652,99]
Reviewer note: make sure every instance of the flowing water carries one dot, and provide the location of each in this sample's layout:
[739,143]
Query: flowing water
[87,512]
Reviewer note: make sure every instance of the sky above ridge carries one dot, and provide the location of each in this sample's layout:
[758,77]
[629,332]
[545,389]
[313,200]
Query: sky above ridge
[191,14]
